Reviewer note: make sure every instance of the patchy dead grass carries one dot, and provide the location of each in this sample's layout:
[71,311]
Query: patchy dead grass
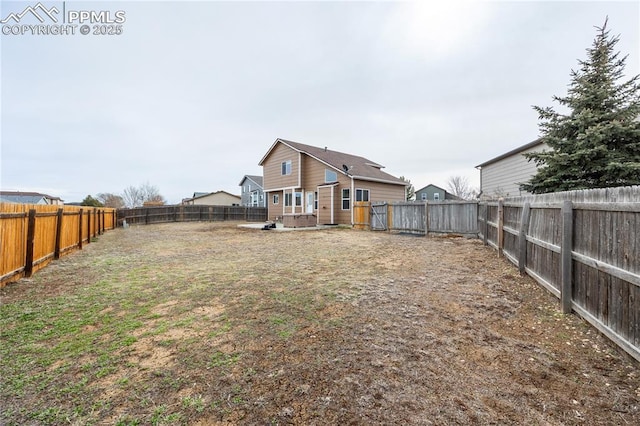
[210,324]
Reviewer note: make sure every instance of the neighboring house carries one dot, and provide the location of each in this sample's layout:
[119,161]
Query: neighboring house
[501,176]
[435,193]
[218,198]
[320,186]
[252,194]
[28,198]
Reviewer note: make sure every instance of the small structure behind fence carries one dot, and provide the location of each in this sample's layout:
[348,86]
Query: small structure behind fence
[32,235]
[582,246]
[191,213]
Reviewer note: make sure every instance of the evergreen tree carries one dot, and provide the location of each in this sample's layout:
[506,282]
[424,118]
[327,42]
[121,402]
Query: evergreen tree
[92,202]
[410,191]
[597,143]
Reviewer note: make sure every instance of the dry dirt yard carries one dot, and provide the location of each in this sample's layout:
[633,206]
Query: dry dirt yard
[206,323]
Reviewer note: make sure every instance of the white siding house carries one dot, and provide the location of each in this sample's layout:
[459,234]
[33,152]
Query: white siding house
[502,175]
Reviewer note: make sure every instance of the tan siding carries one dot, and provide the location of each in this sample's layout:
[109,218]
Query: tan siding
[503,177]
[381,191]
[272,168]
[220,199]
[313,175]
[274,210]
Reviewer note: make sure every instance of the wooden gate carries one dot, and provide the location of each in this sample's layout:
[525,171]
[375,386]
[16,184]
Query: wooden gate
[361,214]
[379,217]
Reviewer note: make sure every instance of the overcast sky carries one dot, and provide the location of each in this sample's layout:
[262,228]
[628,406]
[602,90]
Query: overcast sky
[191,95]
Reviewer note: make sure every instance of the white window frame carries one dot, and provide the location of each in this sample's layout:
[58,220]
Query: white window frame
[288,199]
[285,168]
[346,199]
[276,199]
[360,194]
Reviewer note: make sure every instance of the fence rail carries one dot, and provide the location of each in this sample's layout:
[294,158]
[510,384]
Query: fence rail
[582,246]
[32,235]
[431,217]
[190,213]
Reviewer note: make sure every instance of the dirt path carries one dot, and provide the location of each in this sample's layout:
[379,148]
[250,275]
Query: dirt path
[325,327]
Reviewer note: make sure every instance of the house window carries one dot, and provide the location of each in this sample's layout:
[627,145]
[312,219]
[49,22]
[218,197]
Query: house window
[436,196]
[362,195]
[346,201]
[286,168]
[423,196]
[298,199]
[276,199]
[330,176]
[288,198]
[315,200]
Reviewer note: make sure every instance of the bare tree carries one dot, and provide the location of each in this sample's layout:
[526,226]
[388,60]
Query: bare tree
[110,200]
[145,193]
[151,194]
[459,186]
[132,197]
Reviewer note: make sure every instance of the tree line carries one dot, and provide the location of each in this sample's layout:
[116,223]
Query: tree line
[132,196]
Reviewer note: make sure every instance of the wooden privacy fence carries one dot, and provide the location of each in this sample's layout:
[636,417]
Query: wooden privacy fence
[583,246]
[435,217]
[32,235]
[190,213]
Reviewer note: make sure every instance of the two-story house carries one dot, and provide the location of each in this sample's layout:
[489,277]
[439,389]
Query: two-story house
[252,193]
[305,185]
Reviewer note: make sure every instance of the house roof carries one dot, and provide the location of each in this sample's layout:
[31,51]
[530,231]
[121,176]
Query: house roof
[512,152]
[24,197]
[347,164]
[447,194]
[256,179]
[206,194]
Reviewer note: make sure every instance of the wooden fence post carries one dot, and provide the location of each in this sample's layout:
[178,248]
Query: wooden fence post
[89,227]
[500,242]
[99,222]
[80,229]
[31,234]
[485,231]
[565,255]
[522,238]
[426,218]
[56,250]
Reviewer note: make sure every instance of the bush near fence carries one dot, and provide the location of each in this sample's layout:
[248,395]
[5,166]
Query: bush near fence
[190,213]
[33,235]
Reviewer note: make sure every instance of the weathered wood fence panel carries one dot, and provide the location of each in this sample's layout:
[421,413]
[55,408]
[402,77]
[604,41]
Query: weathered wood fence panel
[583,246]
[446,217]
[33,235]
[379,217]
[190,213]
[408,217]
[452,217]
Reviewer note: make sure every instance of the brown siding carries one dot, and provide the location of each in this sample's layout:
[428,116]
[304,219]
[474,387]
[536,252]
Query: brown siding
[313,175]
[274,210]
[272,168]
[381,191]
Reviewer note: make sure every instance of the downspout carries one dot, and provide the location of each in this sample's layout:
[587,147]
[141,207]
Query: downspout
[352,196]
[333,188]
